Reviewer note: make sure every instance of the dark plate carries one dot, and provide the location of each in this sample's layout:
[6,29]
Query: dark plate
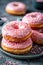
[21,56]
[36,51]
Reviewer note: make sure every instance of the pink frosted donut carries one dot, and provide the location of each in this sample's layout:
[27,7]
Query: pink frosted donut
[17,48]
[17,8]
[34,19]
[37,36]
[15,30]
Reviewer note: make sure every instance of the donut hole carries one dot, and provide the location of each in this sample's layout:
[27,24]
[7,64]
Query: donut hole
[15,26]
[15,4]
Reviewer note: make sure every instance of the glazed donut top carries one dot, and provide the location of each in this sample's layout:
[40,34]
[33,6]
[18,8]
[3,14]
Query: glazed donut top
[14,45]
[34,18]
[16,6]
[16,29]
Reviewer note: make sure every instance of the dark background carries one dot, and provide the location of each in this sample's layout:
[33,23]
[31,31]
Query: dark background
[3,4]
[30,8]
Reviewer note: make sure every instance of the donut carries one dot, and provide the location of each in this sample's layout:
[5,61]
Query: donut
[17,48]
[34,19]
[16,8]
[16,31]
[37,36]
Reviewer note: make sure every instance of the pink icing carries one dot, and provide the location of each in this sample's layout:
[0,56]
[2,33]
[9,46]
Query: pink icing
[16,29]
[14,45]
[37,36]
[33,18]
[16,6]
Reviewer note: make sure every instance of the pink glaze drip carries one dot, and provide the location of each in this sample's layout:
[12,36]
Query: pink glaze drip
[16,29]
[33,18]
[15,45]
[16,6]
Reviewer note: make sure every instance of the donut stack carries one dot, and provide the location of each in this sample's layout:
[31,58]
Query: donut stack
[16,37]
[35,20]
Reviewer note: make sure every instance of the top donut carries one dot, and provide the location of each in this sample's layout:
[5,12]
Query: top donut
[15,30]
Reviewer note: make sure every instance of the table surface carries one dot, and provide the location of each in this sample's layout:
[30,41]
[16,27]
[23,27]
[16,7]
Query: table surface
[9,60]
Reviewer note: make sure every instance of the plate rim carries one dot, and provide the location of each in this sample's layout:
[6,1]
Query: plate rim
[20,56]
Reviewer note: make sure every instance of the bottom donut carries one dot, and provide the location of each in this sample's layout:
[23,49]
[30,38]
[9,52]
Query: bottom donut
[17,48]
